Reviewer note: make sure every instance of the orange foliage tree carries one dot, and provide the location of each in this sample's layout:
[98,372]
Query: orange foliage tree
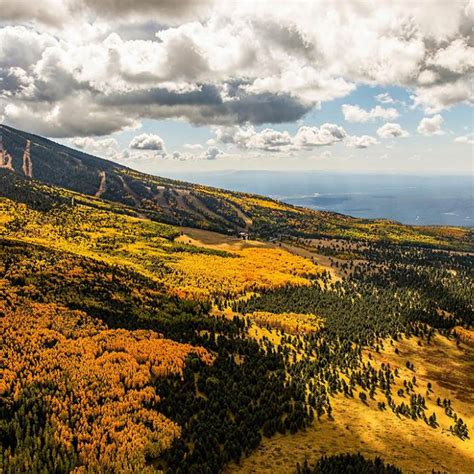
[98,385]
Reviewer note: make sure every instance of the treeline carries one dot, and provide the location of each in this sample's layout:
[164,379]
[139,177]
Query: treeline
[386,295]
[35,195]
[376,305]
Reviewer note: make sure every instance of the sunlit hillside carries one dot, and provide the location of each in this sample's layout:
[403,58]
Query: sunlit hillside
[155,250]
[442,370]
[139,346]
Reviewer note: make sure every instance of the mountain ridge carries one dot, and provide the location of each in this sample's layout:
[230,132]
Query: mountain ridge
[181,203]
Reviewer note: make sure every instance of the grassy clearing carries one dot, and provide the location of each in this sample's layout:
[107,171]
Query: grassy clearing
[214,240]
[321,260]
[411,445]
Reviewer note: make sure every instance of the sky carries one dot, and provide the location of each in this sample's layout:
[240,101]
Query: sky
[188,85]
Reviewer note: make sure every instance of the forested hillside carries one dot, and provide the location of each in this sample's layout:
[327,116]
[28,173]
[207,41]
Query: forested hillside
[179,203]
[132,346]
[130,343]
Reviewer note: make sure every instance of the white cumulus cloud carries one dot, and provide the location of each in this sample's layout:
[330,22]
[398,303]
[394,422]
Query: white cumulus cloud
[384,98]
[306,138]
[465,139]
[363,141]
[192,146]
[354,113]
[392,130]
[431,126]
[147,141]
[105,147]
[327,134]
[212,153]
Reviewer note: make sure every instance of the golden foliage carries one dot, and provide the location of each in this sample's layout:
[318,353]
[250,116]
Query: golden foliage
[187,270]
[457,233]
[248,203]
[251,270]
[99,383]
[464,335]
[80,228]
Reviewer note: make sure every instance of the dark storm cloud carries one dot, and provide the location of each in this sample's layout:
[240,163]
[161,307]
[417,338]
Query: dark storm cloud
[267,108]
[11,81]
[206,95]
[76,116]
[142,30]
[206,105]
[58,12]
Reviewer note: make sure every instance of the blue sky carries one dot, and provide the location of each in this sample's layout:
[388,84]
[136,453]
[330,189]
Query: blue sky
[177,133]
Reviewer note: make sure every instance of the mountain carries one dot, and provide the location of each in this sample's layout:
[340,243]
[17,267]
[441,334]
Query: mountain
[132,345]
[29,156]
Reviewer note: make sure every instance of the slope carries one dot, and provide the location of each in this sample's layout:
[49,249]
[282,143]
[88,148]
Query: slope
[92,279]
[29,156]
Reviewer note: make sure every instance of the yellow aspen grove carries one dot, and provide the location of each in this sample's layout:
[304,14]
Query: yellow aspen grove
[97,385]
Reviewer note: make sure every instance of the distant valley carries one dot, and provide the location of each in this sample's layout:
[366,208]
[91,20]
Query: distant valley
[410,199]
